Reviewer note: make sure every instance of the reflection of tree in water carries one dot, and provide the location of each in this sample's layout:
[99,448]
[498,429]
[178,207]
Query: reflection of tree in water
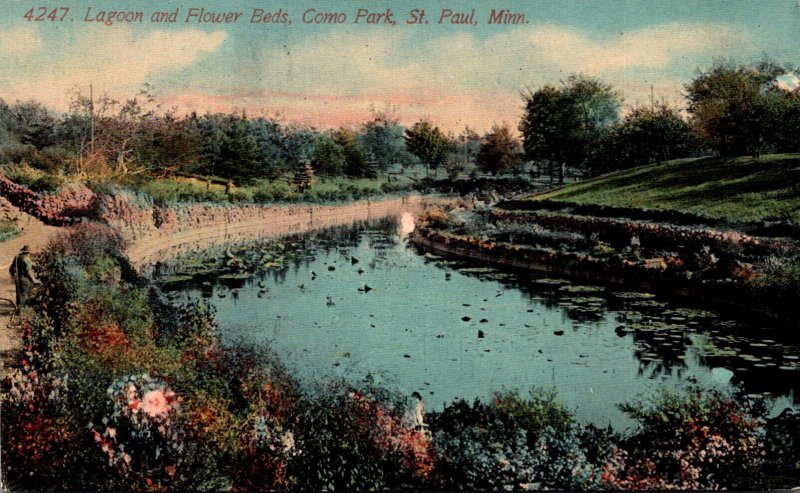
[664,332]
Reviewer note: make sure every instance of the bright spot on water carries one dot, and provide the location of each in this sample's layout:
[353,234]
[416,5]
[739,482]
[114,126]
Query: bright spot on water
[406,223]
[721,375]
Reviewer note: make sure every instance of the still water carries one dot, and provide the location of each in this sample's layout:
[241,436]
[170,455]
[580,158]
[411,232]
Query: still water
[361,300]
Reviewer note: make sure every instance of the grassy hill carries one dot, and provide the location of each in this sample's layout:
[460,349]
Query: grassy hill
[740,188]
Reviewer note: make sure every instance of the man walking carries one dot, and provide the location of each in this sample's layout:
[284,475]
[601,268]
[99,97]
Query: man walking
[23,275]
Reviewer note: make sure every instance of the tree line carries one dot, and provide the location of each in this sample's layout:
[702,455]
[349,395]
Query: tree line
[579,124]
[732,109]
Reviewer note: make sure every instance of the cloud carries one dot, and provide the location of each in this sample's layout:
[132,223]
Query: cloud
[462,77]
[465,78]
[115,63]
[18,41]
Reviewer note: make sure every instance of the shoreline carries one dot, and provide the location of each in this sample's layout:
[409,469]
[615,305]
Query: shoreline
[724,297]
[267,222]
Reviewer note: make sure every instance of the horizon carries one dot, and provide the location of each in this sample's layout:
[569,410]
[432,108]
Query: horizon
[335,75]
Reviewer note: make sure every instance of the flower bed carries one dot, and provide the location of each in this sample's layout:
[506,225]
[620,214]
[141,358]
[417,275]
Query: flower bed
[117,389]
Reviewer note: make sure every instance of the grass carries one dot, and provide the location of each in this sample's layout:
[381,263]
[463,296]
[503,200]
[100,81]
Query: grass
[171,190]
[742,188]
[7,230]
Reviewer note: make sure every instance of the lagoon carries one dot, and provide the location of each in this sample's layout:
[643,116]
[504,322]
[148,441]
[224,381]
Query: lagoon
[361,302]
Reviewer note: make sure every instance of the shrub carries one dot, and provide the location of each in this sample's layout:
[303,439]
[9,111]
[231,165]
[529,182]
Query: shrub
[510,444]
[782,444]
[358,439]
[693,439]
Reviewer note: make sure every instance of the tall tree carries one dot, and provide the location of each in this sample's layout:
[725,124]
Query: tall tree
[327,159]
[563,125]
[652,134]
[33,124]
[382,137]
[354,155]
[498,151]
[734,107]
[428,143]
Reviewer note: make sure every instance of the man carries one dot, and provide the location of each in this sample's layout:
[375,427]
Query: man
[23,275]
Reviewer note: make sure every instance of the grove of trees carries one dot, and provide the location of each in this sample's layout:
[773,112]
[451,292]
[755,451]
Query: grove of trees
[580,124]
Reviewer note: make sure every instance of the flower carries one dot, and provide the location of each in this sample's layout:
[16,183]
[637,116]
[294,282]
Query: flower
[155,403]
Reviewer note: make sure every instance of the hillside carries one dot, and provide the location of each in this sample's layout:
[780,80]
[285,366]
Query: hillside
[740,188]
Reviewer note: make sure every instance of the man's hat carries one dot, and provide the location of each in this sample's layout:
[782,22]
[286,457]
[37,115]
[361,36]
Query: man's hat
[25,249]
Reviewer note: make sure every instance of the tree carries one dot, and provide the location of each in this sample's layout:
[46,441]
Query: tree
[428,143]
[327,159]
[735,108]
[652,134]
[383,138]
[563,125]
[33,124]
[269,138]
[498,152]
[354,156]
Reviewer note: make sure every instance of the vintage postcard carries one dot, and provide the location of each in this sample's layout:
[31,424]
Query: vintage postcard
[426,245]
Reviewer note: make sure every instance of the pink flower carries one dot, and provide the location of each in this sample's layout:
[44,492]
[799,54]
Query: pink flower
[134,406]
[155,403]
[112,432]
[170,470]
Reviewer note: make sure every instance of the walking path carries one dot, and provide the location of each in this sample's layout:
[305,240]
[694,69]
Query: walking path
[36,235]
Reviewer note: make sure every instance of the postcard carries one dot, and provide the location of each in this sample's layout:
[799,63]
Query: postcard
[254,245]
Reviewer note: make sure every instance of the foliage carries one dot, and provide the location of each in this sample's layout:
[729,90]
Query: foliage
[382,140]
[357,439]
[692,439]
[646,135]
[563,125]
[428,143]
[8,230]
[737,108]
[354,156]
[328,157]
[498,151]
[511,444]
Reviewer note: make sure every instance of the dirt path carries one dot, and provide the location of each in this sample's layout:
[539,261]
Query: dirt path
[35,234]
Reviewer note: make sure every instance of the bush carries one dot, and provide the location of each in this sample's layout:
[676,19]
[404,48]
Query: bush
[694,439]
[358,439]
[511,444]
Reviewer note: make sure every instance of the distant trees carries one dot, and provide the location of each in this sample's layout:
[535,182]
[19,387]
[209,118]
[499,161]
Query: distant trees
[736,108]
[327,158]
[498,151]
[354,156]
[563,125]
[746,109]
[382,140]
[32,123]
[647,134]
[428,143]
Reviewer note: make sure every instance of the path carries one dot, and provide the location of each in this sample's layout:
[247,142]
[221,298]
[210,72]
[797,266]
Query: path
[35,234]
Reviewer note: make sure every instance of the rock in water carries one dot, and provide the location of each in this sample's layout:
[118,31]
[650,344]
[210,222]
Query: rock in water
[480,334]
[559,332]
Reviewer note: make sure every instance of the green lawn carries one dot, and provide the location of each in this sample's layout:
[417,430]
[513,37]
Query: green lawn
[741,188]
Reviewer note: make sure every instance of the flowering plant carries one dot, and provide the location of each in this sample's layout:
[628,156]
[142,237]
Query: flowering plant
[142,438]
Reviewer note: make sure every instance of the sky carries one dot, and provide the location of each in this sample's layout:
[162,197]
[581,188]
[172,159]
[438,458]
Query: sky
[331,75]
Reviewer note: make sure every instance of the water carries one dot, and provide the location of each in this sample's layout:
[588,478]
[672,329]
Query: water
[361,301]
